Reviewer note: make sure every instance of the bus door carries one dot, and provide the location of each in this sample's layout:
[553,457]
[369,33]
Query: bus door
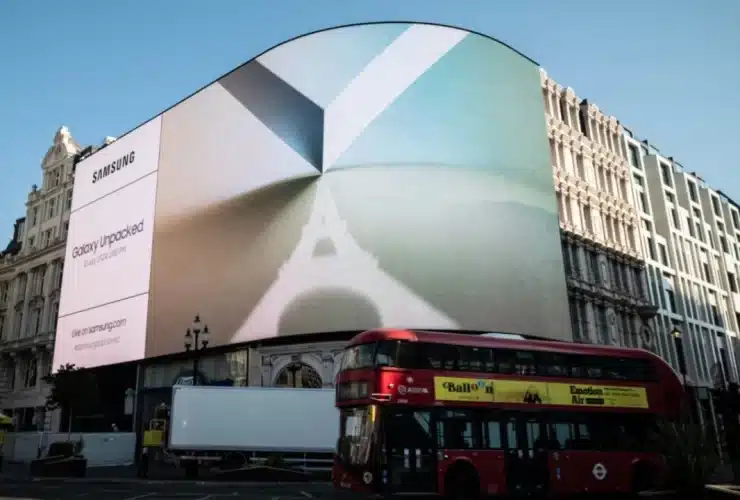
[525,442]
[410,451]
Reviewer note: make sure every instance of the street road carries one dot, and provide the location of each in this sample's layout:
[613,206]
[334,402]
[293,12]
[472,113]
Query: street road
[159,490]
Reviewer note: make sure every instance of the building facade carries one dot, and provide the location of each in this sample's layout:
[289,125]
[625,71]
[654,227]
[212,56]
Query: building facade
[30,282]
[605,271]
[647,248]
[691,236]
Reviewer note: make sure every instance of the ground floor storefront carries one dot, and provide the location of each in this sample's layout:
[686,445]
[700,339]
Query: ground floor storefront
[130,393]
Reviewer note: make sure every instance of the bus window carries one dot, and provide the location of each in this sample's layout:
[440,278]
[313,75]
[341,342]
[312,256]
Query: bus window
[408,429]
[472,359]
[488,359]
[396,353]
[356,431]
[439,356]
[456,430]
[561,435]
[512,442]
[359,356]
[505,362]
[526,363]
[552,365]
[491,433]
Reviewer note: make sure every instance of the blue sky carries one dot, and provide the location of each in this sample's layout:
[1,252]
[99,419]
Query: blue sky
[668,69]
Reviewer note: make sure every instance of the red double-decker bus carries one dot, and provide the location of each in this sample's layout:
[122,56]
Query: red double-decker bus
[469,415]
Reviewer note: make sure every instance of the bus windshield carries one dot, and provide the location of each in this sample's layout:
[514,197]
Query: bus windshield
[358,427]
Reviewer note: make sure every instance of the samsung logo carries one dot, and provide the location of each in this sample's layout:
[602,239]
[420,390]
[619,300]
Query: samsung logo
[113,166]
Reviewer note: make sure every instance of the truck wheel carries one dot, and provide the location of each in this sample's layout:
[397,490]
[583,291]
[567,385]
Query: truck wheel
[142,470]
[191,469]
[462,482]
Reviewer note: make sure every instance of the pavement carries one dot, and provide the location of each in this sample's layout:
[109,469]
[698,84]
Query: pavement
[131,489]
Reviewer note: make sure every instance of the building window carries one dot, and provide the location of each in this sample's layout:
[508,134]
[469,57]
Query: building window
[723,243]
[732,282]
[34,216]
[735,219]
[68,201]
[46,238]
[566,258]
[582,120]
[580,170]
[54,316]
[665,171]
[18,324]
[716,207]
[616,276]
[707,272]
[593,261]
[2,326]
[575,263]
[57,177]
[637,279]
[692,192]
[51,208]
[601,324]
[30,374]
[644,206]
[59,274]
[663,254]
[634,155]
[650,247]
[34,323]
[587,221]
[716,317]
[670,293]
[674,218]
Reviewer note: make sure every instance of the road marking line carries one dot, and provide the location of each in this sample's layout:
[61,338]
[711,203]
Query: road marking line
[306,494]
[137,497]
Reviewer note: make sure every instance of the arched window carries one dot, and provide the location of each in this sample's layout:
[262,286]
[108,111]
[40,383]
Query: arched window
[299,375]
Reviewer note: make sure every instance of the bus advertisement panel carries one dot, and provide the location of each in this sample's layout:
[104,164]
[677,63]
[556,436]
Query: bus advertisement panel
[542,393]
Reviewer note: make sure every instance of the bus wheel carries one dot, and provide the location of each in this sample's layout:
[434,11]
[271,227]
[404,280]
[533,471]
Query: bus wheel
[462,482]
[642,478]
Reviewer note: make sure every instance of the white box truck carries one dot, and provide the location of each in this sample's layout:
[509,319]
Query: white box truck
[236,427]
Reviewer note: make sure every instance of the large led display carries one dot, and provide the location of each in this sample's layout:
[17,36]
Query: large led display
[382,175]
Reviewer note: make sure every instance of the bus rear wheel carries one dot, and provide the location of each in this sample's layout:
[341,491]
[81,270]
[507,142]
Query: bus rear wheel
[462,482]
[642,478]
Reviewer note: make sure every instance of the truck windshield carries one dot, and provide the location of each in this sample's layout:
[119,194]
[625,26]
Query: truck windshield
[356,435]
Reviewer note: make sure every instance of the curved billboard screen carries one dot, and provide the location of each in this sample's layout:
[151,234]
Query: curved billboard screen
[380,175]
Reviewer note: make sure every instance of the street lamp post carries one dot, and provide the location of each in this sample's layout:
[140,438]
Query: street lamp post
[293,370]
[196,339]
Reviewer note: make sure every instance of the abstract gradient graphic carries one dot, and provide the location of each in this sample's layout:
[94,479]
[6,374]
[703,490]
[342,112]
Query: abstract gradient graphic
[382,175]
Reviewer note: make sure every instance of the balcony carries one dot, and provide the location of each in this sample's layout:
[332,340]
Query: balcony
[44,340]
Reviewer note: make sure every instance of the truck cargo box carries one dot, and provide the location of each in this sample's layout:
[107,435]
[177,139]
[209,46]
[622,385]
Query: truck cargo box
[209,418]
